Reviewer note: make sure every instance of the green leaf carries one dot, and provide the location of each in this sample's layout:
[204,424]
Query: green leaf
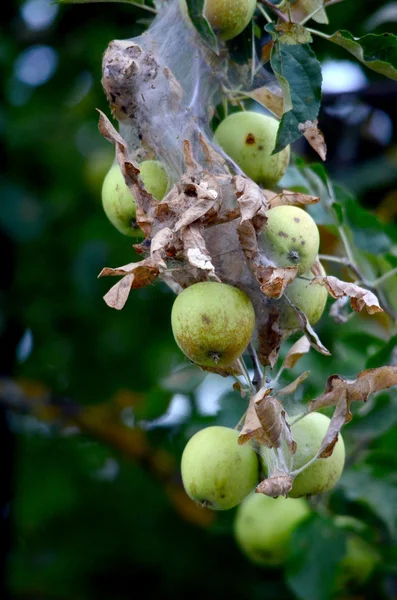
[317,547]
[379,495]
[377,52]
[195,9]
[299,75]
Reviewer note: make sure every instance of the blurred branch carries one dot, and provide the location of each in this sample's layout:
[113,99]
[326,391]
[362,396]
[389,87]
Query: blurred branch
[102,422]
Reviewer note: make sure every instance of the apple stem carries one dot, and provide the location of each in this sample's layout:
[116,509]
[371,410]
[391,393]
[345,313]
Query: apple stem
[244,371]
[258,376]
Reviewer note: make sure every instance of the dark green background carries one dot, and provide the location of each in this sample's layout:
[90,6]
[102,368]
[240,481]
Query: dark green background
[99,513]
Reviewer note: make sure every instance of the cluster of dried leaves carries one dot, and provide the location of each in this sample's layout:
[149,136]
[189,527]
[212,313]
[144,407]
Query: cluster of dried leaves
[266,420]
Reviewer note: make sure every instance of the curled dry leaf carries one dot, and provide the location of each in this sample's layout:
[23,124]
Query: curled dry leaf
[341,416]
[279,484]
[297,350]
[357,390]
[265,422]
[270,336]
[135,275]
[309,332]
[315,137]
[293,386]
[195,249]
[287,198]
[146,204]
[233,369]
[359,297]
[274,280]
[268,98]
[252,428]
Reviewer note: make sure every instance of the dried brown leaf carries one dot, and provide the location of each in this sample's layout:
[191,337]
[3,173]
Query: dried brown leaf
[289,198]
[252,428]
[272,101]
[213,158]
[309,332]
[269,410]
[341,416]
[146,204]
[274,280]
[233,369]
[136,275]
[297,350]
[359,297]
[270,336]
[293,386]
[315,137]
[357,390]
[279,484]
[195,249]
[251,200]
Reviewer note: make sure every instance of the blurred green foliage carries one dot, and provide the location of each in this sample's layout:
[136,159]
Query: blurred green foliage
[97,510]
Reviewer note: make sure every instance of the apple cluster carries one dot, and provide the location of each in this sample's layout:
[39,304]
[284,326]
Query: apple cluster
[219,473]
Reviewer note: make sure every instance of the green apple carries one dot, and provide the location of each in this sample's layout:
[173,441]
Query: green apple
[360,558]
[216,471]
[118,201]
[290,237]
[263,526]
[359,562]
[212,323]
[227,18]
[311,299]
[324,473]
[249,139]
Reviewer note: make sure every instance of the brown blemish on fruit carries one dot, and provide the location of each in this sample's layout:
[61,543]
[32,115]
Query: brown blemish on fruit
[283,234]
[302,243]
[250,139]
[294,239]
[296,220]
[260,147]
[206,319]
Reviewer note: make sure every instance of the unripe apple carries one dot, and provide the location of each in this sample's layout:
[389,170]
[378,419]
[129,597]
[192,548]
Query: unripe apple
[216,471]
[311,299]
[249,139]
[324,473]
[359,562]
[290,237]
[263,526]
[360,558]
[212,323]
[119,203]
[227,18]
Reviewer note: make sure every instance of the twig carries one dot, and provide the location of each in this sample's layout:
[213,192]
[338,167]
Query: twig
[257,378]
[319,33]
[244,370]
[264,13]
[384,277]
[276,11]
